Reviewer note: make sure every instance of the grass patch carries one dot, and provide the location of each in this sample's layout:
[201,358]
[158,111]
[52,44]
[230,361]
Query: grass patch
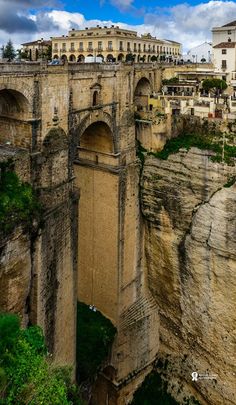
[230,182]
[95,335]
[210,142]
[18,201]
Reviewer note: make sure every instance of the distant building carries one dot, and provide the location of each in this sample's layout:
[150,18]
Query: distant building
[36,49]
[200,53]
[113,44]
[224,51]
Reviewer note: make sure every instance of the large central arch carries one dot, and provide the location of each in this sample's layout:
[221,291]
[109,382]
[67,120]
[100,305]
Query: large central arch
[98,138]
[15,128]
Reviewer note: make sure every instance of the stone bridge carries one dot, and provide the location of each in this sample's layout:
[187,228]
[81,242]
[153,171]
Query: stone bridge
[74,126]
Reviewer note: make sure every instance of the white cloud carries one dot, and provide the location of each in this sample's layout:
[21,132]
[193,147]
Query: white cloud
[190,25]
[121,4]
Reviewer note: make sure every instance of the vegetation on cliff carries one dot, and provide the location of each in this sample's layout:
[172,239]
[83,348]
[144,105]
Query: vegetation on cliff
[95,335]
[18,202]
[26,375]
[154,390]
[211,142]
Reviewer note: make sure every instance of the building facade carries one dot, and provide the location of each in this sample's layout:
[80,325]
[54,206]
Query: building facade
[224,51]
[113,44]
[200,53]
[36,49]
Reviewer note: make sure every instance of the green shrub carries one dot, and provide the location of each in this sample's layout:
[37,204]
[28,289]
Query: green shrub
[153,391]
[18,202]
[27,377]
[95,335]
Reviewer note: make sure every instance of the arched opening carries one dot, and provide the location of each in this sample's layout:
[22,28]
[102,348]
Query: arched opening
[80,58]
[55,57]
[90,56]
[14,114]
[98,138]
[149,57]
[64,58]
[120,57]
[110,57]
[95,97]
[100,56]
[134,58]
[138,58]
[72,58]
[142,94]
[144,58]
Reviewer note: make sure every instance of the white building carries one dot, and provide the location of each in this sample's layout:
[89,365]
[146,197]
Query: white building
[224,51]
[200,53]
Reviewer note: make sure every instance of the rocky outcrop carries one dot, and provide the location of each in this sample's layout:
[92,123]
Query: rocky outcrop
[190,259]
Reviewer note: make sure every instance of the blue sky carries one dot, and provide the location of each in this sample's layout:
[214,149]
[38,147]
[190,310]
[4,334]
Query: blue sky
[187,22]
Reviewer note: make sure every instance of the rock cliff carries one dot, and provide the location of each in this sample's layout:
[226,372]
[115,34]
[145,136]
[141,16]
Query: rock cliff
[190,259]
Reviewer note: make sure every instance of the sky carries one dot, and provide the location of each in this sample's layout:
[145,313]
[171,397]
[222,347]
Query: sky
[187,22]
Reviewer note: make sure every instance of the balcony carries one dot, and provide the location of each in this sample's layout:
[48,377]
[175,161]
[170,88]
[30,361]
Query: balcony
[72,50]
[121,48]
[63,50]
[100,49]
[80,49]
[89,49]
[224,67]
[110,48]
[55,50]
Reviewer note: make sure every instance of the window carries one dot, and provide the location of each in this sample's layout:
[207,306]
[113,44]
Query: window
[99,45]
[139,47]
[64,46]
[223,64]
[72,46]
[229,32]
[121,46]
[81,46]
[229,39]
[128,46]
[224,51]
[144,47]
[135,47]
[110,45]
[90,45]
[55,46]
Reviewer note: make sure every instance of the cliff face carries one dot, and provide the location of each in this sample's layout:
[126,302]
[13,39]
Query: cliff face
[190,259]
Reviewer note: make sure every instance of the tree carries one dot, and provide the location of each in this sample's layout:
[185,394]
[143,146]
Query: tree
[8,51]
[129,57]
[216,85]
[154,58]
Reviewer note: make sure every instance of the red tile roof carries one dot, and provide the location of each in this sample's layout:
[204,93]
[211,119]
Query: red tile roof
[225,45]
[231,24]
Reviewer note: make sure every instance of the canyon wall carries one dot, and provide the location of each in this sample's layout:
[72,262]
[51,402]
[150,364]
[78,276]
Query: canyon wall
[189,253]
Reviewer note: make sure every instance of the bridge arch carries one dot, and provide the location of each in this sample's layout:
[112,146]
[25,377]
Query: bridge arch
[15,112]
[97,137]
[142,92]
